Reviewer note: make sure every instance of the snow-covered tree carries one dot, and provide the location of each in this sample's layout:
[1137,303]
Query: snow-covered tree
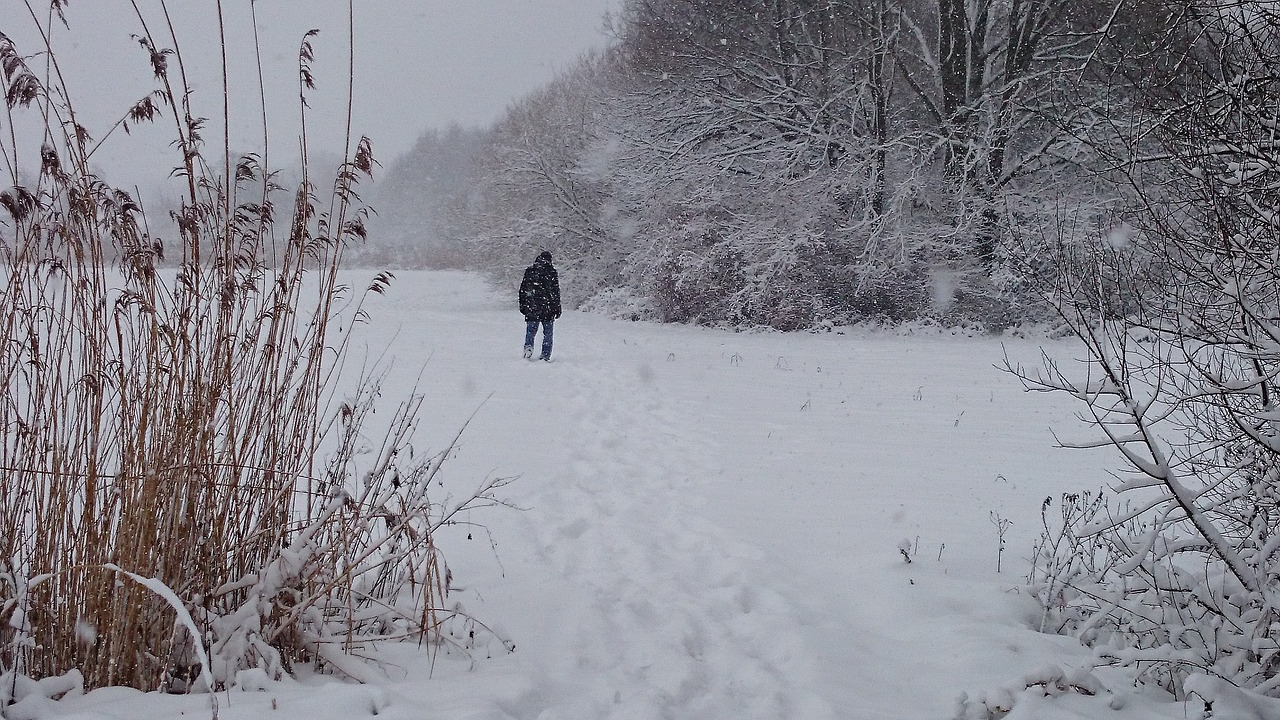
[534,187]
[414,203]
[1180,314]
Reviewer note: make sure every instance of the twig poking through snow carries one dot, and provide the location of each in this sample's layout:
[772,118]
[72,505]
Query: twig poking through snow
[1002,527]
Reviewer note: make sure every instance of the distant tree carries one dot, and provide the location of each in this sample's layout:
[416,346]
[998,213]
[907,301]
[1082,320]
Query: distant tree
[1002,69]
[778,79]
[534,188]
[774,121]
[413,227]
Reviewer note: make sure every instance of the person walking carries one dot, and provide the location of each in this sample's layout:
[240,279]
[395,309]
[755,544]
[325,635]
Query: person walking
[540,303]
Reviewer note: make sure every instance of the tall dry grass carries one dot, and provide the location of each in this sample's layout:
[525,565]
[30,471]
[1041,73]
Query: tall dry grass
[170,410]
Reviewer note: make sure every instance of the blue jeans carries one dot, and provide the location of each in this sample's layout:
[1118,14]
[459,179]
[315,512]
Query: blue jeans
[531,329]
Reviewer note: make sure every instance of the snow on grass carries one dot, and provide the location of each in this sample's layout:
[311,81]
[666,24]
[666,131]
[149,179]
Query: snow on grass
[712,527]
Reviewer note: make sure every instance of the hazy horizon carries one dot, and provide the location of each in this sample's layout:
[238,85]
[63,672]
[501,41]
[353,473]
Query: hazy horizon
[419,65]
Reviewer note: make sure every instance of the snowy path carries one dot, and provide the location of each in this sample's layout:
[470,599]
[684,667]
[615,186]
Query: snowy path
[715,516]
[712,519]
[701,638]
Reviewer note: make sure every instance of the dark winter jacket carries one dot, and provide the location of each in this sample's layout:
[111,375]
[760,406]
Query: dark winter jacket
[540,291]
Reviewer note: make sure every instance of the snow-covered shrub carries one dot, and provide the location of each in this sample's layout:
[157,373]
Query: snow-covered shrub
[1180,321]
[172,442]
[621,304]
[1065,564]
[1167,614]
[1050,681]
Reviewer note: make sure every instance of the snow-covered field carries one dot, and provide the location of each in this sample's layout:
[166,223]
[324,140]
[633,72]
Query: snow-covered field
[711,526]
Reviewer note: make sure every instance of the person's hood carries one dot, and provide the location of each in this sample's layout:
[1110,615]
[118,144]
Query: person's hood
[544,258]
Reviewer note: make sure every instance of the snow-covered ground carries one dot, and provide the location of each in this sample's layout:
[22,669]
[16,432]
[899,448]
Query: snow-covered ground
[711,526]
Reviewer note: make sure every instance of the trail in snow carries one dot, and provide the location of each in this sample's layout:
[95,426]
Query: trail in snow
[678,628]
[717,515]
[712,520]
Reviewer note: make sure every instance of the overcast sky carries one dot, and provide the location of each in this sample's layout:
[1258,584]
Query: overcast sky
[419,64]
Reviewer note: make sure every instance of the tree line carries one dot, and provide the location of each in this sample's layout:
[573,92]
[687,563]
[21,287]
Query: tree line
[794,163]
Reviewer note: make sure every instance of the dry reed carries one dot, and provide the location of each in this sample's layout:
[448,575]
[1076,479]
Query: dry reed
[175,421]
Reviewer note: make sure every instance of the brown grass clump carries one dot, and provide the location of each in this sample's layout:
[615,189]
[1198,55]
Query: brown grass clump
[174,421]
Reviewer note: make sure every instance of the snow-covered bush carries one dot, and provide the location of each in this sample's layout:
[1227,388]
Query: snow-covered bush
[1164,613]
[172,441]
[1178,576]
